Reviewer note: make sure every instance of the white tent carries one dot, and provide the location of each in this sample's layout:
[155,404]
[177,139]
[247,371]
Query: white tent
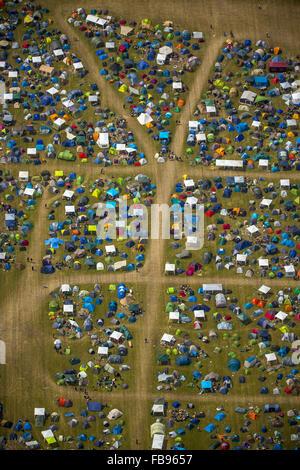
[169,339]
[103,350]
[271,358]
[144,119]
[264,289]
[158,441]
[174,316]
[170,268]
[210,288]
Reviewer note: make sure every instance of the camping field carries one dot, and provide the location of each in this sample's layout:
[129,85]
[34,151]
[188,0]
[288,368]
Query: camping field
[32,376]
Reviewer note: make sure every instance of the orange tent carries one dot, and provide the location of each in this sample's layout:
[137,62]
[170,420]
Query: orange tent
[236,210]
[288,308]
[180,103]
[53,117]
[222,437]
[276,50]
[253,415]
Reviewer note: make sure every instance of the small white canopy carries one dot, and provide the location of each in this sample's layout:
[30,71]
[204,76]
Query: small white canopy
[281,315]
[290,270]
[29,192]
[120,264]
[212,288]
[52,91]
[78,65]
[265,202]
[110,249]
[65,288]
[263,162]
[229,163]
[170,268]
[68,193]
[158,441]
[23,175]
[173,315]
[69,308]
[47,433]
[199,314]
[285,183]
[252,229]
[271,357]
[103,350]
[189,183]
[263,262]
[264,289]
[116,335]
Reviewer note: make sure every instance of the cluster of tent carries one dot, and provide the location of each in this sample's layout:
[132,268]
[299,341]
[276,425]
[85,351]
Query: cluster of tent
[147,63]
[102,316]
[45,81]
[260,427]
[257,93]
[86,219]
[207,326]
[250,226]
[93,427]
[18,200]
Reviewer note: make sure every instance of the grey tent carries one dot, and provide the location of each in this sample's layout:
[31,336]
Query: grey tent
[220,300]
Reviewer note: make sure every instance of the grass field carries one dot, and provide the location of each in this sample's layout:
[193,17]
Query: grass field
[26,381]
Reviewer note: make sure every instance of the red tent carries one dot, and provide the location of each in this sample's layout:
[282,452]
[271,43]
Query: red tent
[270,316]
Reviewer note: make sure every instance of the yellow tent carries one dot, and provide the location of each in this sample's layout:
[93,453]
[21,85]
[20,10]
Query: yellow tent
[96,192]
[59,173]
[284,329]
[28,19]
[51,440]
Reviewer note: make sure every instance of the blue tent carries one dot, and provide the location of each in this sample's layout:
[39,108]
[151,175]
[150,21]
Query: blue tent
[94,405]
[220,416]
[234,365]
